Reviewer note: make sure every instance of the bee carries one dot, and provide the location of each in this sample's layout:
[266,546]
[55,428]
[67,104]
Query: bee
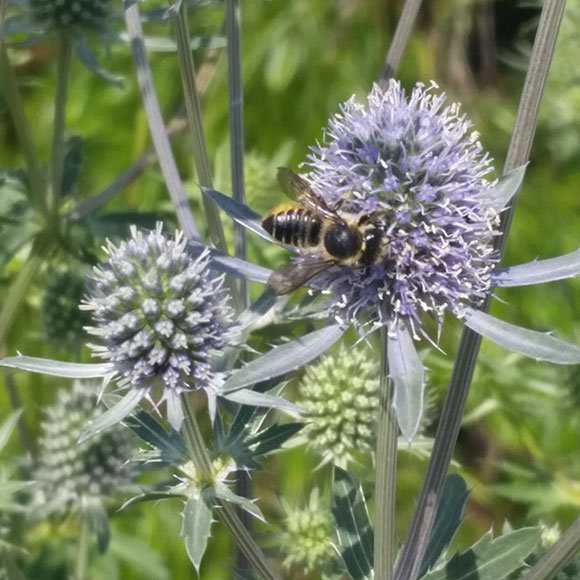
[327,235]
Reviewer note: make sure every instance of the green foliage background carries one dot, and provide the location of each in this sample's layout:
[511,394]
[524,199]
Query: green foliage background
[518,449]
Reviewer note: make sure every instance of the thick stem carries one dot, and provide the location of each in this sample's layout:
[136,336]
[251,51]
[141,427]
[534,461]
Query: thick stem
[225,511]
[520,145]
[59,121]
[386,475]
[16,110]
[82,561]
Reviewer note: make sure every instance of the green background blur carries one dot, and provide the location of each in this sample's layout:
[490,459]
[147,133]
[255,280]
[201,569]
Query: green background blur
[520,446]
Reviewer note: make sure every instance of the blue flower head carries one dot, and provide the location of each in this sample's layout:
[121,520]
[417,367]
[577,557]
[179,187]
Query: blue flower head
[417,163]
[160,315]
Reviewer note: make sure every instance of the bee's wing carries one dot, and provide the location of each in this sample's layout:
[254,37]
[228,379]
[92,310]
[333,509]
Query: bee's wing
[293,276]
[298,189]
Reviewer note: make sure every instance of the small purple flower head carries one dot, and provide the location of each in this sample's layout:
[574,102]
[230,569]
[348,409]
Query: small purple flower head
[160,315]
[415,166]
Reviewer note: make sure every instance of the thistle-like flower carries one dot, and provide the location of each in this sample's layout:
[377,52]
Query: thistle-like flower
[160,315]
[413,165]
[72,14]
[70,473]
[307,539]
[340,394]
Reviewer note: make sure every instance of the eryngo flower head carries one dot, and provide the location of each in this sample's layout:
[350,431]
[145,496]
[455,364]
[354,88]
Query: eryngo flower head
[160,315]
[307,539]
[70,472]
[414,165]
[340,394]
[72,14]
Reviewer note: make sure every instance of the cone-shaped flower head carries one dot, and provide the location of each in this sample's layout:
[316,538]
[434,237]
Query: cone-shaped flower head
[307,539]
[340,393]
[160,315]
[70,471]
[413,165]
[72,14]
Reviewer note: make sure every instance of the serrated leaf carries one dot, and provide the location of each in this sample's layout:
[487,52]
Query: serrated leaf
[239,212]
[57,368]
[196,528]
[150,496]
[448,519]
[8,427]
[99,523]
[285,358]
[169,443]
[256,399]
[507,186]
[353,527]
[228,264]
[536,345]
[273,438]
[223,492]
[408,375]
[540,271]
[490,559]
[114,415]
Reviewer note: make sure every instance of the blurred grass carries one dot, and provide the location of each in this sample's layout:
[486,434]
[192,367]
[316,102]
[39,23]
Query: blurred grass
[300,60]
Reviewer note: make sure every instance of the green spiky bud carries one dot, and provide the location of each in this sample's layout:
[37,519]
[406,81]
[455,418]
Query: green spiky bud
[69,472]
[72,14]
[62,320]
[307,539]
[341,396]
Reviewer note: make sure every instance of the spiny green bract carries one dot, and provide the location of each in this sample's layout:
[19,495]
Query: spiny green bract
[341,396]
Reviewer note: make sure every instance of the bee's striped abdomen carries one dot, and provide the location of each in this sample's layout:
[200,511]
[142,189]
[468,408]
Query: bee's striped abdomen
[294,226]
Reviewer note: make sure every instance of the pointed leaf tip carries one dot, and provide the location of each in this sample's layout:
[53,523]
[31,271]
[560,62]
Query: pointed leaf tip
[506,188]
[536,345]
[408,375]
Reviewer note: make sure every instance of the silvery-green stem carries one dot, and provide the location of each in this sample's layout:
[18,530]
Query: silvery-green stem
[82,561]
[236,116]
[22,129]
[562,552]
[225,511]
[400,40]
[386,474]
[194,119]
[416,543]
[58,129]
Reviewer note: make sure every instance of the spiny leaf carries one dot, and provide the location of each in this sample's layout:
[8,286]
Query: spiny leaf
[355,535]
[57,368]
[196,528]
[537,345]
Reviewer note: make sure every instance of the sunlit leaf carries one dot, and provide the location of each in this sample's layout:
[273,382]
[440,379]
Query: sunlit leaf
[490,559]
[448,519]
[507,186]
[239,212]
[223,492]
[536,345]
[57,368]
[115,414]
[230,265]
[196,528]
[285,358]
[256,399]
[353,527]
[408,375]
[566,266]
[150,496]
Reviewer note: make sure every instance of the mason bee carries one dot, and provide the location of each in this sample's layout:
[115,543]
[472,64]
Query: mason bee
[328,236]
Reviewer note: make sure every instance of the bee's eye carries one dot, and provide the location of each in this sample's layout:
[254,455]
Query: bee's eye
[341,241]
